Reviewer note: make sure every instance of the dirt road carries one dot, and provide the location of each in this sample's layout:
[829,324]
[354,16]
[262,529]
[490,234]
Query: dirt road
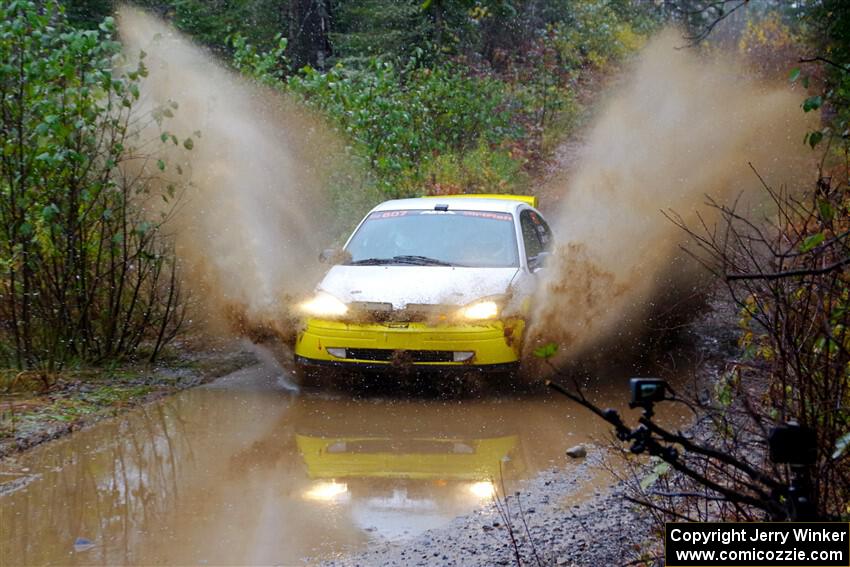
[248,470]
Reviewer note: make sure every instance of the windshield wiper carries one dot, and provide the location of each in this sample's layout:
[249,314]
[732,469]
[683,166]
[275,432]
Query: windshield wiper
[411,260]
[421,261]
[372,262]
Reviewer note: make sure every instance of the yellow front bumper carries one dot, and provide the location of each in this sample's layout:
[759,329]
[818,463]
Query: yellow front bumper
[420,344]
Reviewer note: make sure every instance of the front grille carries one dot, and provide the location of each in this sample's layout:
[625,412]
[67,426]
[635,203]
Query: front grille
[400,446]
[400,356]
[371,311]
[422,312]
[411,313]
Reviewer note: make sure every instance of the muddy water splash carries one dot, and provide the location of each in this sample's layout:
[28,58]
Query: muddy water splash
[249,224]
[682,127]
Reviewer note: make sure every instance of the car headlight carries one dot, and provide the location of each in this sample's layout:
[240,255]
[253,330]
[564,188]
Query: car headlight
[484,309]
[324,305]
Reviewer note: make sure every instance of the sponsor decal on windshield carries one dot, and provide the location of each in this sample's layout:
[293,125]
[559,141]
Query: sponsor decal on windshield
[377,215]
[389,214]
[486,215]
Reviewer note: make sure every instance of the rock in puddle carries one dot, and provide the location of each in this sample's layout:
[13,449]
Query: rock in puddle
[577,452]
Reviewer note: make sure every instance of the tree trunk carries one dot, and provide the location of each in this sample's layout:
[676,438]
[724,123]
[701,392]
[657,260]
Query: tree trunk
[309,22]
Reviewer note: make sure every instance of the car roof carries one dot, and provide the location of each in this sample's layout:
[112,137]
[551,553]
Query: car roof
[457,203]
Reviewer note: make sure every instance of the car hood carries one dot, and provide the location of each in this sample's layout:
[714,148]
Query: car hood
[403,285]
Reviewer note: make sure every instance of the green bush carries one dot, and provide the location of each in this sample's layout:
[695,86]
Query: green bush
[84,273]
[595,33]
[401,119]
[482,170]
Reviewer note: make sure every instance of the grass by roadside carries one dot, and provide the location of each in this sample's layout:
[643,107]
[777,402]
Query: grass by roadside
[31,414]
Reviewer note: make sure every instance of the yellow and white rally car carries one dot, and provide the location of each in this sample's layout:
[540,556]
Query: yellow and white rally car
[429,282]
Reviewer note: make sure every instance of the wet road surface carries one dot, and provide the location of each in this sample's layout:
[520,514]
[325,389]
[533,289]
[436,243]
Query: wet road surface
[248,471]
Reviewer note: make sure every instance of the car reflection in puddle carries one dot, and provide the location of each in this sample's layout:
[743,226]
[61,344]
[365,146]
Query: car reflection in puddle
[407,483]
[396,468]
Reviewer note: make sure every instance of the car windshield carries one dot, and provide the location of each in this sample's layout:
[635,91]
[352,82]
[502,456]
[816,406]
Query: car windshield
[427,237]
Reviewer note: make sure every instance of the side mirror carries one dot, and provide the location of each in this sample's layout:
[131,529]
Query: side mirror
[536,263]
[334,256]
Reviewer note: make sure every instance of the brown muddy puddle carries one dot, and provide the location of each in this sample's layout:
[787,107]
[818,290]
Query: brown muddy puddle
[246,471]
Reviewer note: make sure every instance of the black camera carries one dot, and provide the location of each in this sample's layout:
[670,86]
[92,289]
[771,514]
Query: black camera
[793,444]
[647,391]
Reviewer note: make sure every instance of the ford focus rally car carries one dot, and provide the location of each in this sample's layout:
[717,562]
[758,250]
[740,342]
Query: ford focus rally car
[428,282]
